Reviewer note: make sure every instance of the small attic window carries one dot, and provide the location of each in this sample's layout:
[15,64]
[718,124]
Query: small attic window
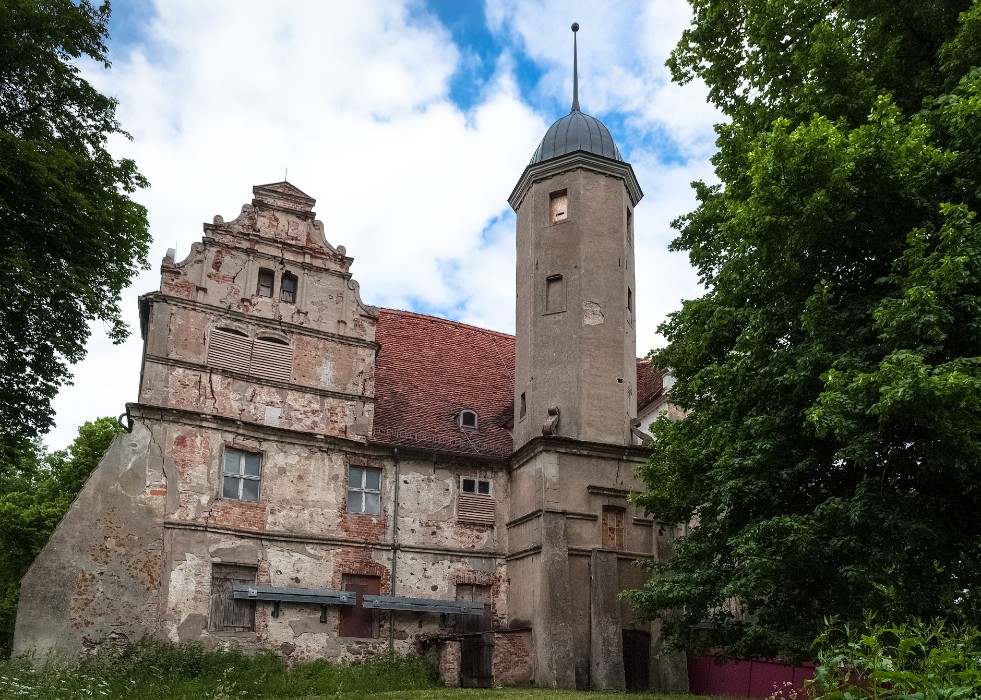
[287,290]
[267,279]
[467,420]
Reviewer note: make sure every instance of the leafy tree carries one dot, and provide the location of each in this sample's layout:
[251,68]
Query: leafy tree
[35,493]
[831,459]
[70,237]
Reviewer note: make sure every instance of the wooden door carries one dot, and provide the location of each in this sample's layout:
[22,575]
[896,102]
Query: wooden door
[476,661]
[357,620]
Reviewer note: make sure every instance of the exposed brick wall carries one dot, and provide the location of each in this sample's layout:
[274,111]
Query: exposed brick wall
[511,662]
[358,561]
[449,664]
[239,514]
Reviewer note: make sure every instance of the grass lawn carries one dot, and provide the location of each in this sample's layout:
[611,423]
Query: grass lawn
[156,671]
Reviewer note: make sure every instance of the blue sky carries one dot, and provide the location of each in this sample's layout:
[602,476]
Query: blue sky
[409,122]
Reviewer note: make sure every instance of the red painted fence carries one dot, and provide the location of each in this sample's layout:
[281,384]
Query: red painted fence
[758,678]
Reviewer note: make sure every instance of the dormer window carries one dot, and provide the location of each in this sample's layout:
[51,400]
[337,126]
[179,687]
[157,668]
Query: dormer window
[467,420]
[267,278]
[287,289]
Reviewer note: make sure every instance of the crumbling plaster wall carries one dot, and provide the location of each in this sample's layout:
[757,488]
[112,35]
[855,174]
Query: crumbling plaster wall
[101,571]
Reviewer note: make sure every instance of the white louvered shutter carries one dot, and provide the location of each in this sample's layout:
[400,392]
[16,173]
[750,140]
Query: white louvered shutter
[229,351]
[272,360]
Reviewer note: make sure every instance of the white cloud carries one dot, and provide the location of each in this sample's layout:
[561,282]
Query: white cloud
[353,98]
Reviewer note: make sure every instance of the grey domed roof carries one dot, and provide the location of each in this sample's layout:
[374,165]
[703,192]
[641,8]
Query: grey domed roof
[576,132]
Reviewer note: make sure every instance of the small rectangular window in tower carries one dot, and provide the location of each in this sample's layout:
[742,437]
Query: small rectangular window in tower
[612,527]
[287,289]
[364,490]
[267,279]
[558,206]
[522,406]
[630,300]
[240,477]
[630,227]
[554,294]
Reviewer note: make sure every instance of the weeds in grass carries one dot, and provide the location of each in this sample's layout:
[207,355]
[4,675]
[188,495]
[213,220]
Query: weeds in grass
[157,671]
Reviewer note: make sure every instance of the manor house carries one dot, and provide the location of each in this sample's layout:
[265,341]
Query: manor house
[307,473]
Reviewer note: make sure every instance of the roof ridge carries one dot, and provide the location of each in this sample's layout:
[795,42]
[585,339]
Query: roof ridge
[403,312]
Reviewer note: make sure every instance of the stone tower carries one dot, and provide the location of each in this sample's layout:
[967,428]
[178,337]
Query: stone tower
[575,369]
[571,529]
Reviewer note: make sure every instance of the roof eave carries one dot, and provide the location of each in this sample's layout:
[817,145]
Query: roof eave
[536,172]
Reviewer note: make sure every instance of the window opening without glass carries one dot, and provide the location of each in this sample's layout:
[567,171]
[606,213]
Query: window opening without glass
[240,477]
[287,288]
[613,527]
[267,278]
[364,490]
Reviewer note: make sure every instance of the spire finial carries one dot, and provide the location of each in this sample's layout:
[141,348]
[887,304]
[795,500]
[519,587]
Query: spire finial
[575,69]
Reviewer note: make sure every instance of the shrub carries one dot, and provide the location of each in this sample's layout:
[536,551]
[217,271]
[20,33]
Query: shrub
[914,661]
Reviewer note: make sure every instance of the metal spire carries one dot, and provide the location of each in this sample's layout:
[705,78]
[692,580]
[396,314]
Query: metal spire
[575,69]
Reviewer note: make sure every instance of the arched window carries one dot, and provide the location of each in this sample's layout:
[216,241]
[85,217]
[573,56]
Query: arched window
[287,289]
[467,419]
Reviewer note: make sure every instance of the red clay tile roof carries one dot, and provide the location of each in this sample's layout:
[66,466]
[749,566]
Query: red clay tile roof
[429,369]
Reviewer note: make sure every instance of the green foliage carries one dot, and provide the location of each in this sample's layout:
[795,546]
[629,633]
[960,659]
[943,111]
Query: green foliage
[71,237]
[160,671]
[35,493]
[831,459]
[925,661]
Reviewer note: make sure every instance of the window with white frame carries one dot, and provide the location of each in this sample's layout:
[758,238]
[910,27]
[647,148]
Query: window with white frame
[240,476]
[364,490]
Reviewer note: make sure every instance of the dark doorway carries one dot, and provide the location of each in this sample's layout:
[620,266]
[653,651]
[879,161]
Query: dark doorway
[636,659]
[476,654]
[356,620]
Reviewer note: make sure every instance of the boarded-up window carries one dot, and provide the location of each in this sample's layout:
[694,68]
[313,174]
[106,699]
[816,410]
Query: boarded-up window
[554,294]
[475,502]
[559,206]
[230,349]
[225,612]
[356,620]
[272,358]
[266,357]
[474,593]
[612,527]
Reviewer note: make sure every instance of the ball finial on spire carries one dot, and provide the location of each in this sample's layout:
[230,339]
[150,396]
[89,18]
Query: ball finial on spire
[575,26]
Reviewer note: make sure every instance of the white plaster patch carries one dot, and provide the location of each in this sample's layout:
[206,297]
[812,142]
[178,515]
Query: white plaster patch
[272,416]
[326,373]
[183,586]
[592,313]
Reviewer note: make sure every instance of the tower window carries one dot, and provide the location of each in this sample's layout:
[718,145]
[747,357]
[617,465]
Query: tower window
[467,420]
[522,406]
[558,206]
[267,279]
[613,527]
[630,300]
[287,289]
[554,294]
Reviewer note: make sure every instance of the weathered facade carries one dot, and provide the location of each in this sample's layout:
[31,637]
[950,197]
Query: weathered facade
[308,473]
